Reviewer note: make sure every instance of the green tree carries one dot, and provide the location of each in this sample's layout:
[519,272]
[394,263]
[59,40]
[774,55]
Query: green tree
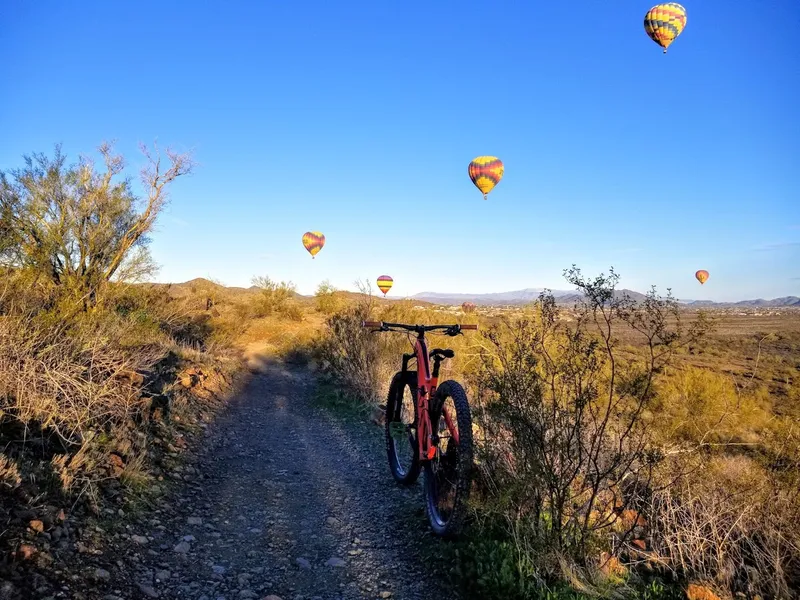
[80,226]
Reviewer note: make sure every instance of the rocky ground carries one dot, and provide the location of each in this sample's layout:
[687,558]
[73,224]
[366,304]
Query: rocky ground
[284,500]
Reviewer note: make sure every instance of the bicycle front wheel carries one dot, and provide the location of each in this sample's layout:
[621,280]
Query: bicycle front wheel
[448,473]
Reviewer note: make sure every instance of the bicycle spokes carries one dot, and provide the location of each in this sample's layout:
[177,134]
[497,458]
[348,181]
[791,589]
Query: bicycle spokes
[445,469]
[398,430]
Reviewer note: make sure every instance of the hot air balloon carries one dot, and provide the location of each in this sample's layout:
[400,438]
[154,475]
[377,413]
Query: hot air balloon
[485,172]
[702,276]
[665,22]
[385,283]
[313,241]
[468,307]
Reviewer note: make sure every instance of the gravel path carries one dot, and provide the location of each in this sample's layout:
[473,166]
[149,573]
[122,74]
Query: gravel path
[286,500]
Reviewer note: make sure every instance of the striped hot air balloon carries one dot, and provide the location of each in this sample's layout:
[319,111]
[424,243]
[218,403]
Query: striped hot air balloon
[485,172]
[385,283]
[702,276]
[665,22]
[313,241]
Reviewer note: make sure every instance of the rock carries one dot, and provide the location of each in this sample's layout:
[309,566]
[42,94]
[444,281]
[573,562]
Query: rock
[335,562]
[218,569]
[182,548]
[163,575]
[247,594]
[700,592]
[102,574]
[147,590]
[272,597]
[303,563]
[139,539]
[26,552]
[36,526]
[194,521]
[332,521]
[189,538]
[386,594]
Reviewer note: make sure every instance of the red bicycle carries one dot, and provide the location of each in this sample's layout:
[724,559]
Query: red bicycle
[422,433]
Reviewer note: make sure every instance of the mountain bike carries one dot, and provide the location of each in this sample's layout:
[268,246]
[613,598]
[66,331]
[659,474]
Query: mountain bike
[429,426]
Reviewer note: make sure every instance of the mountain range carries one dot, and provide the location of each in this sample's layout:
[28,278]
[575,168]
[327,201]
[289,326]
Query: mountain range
[569,297]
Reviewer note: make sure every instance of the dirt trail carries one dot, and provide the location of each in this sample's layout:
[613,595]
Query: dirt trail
[285,499]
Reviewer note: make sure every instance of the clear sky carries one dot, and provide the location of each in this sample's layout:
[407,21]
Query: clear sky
[359,118]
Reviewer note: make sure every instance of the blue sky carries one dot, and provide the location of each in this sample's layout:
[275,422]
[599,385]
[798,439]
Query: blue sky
[359,118]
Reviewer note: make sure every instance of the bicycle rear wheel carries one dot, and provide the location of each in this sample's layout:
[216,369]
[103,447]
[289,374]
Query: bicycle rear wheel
[401,428]
[447,475]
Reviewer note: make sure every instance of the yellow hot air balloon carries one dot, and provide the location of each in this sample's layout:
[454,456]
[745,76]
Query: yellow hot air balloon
[485,172]
[665,22]
[702,276]
[385,283]
[313,241]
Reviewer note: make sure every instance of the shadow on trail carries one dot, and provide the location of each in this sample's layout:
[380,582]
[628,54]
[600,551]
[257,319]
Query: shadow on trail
[299,503]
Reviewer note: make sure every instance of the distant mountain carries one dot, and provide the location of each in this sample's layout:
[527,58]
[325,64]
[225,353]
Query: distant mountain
[518,297]
[570,297]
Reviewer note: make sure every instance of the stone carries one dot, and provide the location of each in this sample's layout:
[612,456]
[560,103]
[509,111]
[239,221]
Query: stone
[335,562]
[36,525]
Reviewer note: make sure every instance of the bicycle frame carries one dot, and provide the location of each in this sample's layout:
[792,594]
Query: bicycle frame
[427,382]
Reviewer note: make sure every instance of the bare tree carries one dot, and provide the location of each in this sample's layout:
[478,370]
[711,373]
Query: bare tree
[563,407]
[80,226]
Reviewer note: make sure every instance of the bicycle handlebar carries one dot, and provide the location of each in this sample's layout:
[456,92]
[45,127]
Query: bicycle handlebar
[449,329]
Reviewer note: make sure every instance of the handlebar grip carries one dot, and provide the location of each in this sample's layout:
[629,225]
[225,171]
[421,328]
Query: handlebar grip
[473,327]
[370,323]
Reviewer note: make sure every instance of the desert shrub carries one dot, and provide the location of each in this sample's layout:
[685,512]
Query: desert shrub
[731,522]
[562,411]
[68,379]
[79,227]
[697,406]
[275,298]
[328,302]
[350,353]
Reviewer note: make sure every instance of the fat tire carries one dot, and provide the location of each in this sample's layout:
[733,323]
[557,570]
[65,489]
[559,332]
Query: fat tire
[394,404]
[464,467]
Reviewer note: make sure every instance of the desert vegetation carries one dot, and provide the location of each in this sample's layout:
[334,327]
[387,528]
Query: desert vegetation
[101,379]
[625,448]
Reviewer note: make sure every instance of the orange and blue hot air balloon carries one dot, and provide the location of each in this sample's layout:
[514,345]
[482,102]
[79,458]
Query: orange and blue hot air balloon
[385,283]
[485,172]
[702,276]
[665,22]
[313,241]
